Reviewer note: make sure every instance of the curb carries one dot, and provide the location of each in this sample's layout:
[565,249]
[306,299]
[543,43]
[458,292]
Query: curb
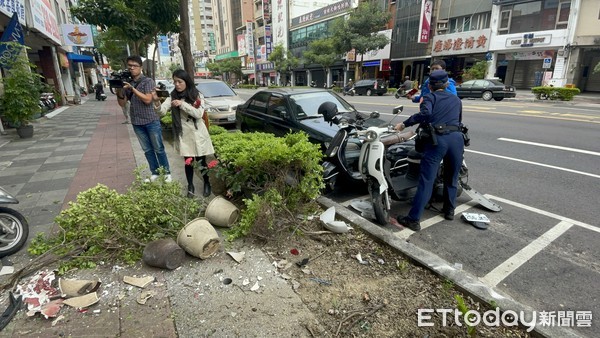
[465,281]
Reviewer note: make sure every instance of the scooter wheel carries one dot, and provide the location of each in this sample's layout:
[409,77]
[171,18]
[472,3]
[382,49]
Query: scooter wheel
[14,236]
[379,203]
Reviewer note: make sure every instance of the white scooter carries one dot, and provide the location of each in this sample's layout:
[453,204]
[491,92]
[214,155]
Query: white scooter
[13,226]
[389,177]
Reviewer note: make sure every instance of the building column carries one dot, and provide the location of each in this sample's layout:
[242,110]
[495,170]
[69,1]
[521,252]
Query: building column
[492,65]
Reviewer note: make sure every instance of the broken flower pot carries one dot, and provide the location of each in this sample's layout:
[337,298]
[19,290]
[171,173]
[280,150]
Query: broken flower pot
[199,238]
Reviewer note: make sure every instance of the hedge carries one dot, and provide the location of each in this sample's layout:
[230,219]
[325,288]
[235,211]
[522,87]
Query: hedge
[555,93]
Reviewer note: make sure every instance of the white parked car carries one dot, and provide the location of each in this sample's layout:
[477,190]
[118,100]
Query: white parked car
[220,100]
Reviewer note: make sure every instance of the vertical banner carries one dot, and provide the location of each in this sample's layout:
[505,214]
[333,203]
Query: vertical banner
[266,10]
[241,42]
[268,45]
[250,39]
[280,23]
[425,21]
[13,33]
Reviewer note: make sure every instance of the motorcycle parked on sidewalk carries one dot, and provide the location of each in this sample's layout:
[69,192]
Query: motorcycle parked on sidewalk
[14,228]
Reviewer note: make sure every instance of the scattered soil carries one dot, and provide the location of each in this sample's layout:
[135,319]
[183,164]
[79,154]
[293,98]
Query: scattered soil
[376,298]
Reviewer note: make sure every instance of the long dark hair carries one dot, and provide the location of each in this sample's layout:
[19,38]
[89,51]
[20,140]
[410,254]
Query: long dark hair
[190,94]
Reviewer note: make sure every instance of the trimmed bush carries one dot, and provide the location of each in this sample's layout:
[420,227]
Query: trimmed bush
[555,93]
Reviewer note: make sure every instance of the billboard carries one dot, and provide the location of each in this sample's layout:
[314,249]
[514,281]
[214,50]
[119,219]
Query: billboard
[77,35]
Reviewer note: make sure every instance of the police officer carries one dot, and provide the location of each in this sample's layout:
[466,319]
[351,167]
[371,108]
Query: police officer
[443,111]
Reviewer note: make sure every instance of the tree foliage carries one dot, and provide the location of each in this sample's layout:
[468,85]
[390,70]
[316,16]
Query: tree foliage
[359,31]
[136,21]
[227,66]
[321,52]
[111,43]
[477,71]
[283,59]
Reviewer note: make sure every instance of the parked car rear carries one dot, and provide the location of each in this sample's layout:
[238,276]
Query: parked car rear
[485,89]
[370,87]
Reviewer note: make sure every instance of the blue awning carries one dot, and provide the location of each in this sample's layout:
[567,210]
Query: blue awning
[80,58]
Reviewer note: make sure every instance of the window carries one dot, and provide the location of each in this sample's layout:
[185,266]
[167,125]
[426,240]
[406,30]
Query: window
[276,106]
[504,21]
[562,17]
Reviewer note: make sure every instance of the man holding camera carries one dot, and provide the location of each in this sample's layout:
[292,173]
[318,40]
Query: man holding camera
[144,119]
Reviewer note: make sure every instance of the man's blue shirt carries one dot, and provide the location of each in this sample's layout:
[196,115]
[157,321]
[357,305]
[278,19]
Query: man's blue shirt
[425,89]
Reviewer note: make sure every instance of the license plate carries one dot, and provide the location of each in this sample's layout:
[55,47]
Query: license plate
[231,118]
[472,217]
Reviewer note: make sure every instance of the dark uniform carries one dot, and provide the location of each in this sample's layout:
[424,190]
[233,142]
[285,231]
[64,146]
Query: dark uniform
[439,108]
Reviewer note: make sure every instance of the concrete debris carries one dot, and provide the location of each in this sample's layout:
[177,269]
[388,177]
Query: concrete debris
[82,302]
[237,256]
[37,293]
[58,319]
[255,287]
[140,282]
[360,260]
[144,296]
[76,287]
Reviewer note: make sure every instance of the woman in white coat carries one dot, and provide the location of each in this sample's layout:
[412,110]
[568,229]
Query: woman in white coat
[190,131]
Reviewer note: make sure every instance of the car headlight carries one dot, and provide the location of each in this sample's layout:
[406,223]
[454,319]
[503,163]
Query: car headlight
[211,109]
[371,135]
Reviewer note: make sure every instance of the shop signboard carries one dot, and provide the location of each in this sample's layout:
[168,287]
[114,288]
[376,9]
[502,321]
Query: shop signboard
[44,20]
[13,6]
[461,43]
[77,35]
[280,23]
[241,43]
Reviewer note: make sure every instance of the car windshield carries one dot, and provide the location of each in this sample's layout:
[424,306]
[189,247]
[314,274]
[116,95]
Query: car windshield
[306,105]
[214,89]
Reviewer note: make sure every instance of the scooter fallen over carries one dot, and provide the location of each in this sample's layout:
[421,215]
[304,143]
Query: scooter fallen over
[14,228]
[388,163]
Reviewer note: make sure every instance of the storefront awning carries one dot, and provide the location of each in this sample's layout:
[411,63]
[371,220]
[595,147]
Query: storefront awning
[80,58]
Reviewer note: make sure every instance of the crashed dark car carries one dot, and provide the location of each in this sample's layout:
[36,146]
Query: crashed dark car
[280,111]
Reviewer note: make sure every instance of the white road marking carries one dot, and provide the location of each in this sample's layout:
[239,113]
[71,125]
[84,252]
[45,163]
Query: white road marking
[550,146]
[534,163]
[510,265]
[404,234]
[544,213]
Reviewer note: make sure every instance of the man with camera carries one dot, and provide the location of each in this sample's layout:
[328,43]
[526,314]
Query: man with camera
[146,124]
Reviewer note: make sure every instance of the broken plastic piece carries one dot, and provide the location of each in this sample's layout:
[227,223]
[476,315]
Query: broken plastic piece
[329,222]
[140,282]
[11,310]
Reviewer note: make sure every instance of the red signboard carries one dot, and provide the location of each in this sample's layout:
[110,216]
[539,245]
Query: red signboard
[425,21]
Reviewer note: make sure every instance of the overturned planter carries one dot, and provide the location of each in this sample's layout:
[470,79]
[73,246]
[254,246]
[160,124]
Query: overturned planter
[222,213]
[163,253]
[199,238]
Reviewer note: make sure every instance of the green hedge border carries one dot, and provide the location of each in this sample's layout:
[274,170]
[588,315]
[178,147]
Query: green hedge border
[555,93]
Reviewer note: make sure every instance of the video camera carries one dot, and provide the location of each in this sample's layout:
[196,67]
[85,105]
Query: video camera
[118,77]
[162,91]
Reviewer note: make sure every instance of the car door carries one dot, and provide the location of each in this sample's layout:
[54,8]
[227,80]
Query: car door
[464,90]
[479,86]
[281,121]
[254,115]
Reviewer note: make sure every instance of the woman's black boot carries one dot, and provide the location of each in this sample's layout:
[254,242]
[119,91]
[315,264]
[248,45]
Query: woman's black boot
[206,187]
[191,190]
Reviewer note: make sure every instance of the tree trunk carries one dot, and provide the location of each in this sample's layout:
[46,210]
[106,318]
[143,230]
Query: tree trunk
[184,39]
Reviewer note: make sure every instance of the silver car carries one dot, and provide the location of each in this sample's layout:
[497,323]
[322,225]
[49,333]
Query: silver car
[220,100]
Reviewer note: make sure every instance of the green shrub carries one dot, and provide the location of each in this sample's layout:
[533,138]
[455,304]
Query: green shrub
[477,71]
[248,86]
[280,173]
[110,226]
[215,130]
[555,93]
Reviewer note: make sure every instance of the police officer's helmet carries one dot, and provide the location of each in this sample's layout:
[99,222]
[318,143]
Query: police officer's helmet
[328,110]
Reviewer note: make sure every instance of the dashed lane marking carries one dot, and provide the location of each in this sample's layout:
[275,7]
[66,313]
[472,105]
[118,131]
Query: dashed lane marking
[550,146]
[534,163]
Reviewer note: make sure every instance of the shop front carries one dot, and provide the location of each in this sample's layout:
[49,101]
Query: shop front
[530,59]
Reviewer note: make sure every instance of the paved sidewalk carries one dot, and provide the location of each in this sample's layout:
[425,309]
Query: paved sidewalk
[74,149]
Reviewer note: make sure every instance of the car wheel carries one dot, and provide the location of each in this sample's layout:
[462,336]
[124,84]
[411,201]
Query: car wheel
[498,98]
[487,95]
[369,92]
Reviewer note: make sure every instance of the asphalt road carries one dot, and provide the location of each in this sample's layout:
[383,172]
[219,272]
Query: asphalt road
[541,162]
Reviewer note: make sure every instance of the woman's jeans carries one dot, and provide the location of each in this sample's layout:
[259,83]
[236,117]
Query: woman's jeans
[150,137]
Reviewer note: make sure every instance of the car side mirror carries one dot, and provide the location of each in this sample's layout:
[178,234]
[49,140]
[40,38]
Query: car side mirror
[397,110]
[374,115]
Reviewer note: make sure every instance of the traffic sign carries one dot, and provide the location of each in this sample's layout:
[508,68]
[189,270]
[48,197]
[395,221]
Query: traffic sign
[547,63]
